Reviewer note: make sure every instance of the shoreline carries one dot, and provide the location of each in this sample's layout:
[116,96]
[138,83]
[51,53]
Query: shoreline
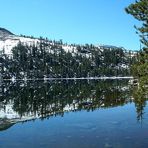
[82,78]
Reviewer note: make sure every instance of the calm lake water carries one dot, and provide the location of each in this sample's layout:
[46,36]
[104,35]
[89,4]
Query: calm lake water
[72,114]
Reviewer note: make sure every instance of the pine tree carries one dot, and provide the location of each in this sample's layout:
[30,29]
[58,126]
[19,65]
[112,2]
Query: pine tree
[139,10]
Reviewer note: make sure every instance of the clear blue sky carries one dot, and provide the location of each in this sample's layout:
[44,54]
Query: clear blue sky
[74,21]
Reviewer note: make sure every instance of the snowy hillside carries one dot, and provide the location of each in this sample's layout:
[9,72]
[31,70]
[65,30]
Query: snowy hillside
[40,57]
[8,40]
[12,41]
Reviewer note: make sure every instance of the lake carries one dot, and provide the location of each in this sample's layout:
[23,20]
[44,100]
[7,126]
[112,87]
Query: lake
[72,114]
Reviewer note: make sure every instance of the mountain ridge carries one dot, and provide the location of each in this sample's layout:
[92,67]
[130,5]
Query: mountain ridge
[8,40]
[4,33]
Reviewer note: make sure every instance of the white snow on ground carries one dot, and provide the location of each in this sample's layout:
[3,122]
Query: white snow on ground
[12,41]
[69,48]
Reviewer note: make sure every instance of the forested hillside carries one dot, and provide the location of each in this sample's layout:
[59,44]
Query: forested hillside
[54,59]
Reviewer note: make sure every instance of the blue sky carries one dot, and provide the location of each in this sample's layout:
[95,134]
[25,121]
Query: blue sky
[73,21]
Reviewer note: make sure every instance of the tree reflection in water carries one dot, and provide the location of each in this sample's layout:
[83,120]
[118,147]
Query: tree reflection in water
[37,99]
[140,95]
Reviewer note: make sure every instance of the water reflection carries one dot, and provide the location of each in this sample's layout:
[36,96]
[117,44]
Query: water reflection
[140,95]
[25,101]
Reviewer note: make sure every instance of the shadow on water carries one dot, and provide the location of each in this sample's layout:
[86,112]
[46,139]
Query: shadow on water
[25,101]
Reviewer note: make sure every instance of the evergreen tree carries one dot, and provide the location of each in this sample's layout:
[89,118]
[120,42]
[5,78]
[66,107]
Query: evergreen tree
[139,10]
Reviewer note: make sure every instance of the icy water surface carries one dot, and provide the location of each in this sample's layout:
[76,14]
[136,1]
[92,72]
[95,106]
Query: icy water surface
[72,114]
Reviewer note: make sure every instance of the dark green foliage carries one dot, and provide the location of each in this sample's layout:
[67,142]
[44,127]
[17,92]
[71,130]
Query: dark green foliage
[49,59]
[50,99]
[139,10]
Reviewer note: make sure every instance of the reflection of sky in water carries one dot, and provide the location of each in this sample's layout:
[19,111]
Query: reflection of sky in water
[114,127]
[103,127]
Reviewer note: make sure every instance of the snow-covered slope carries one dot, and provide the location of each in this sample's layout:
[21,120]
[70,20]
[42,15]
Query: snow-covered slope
[12,41]
[9,40]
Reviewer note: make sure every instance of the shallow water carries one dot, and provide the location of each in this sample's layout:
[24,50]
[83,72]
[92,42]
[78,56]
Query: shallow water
[72,114]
